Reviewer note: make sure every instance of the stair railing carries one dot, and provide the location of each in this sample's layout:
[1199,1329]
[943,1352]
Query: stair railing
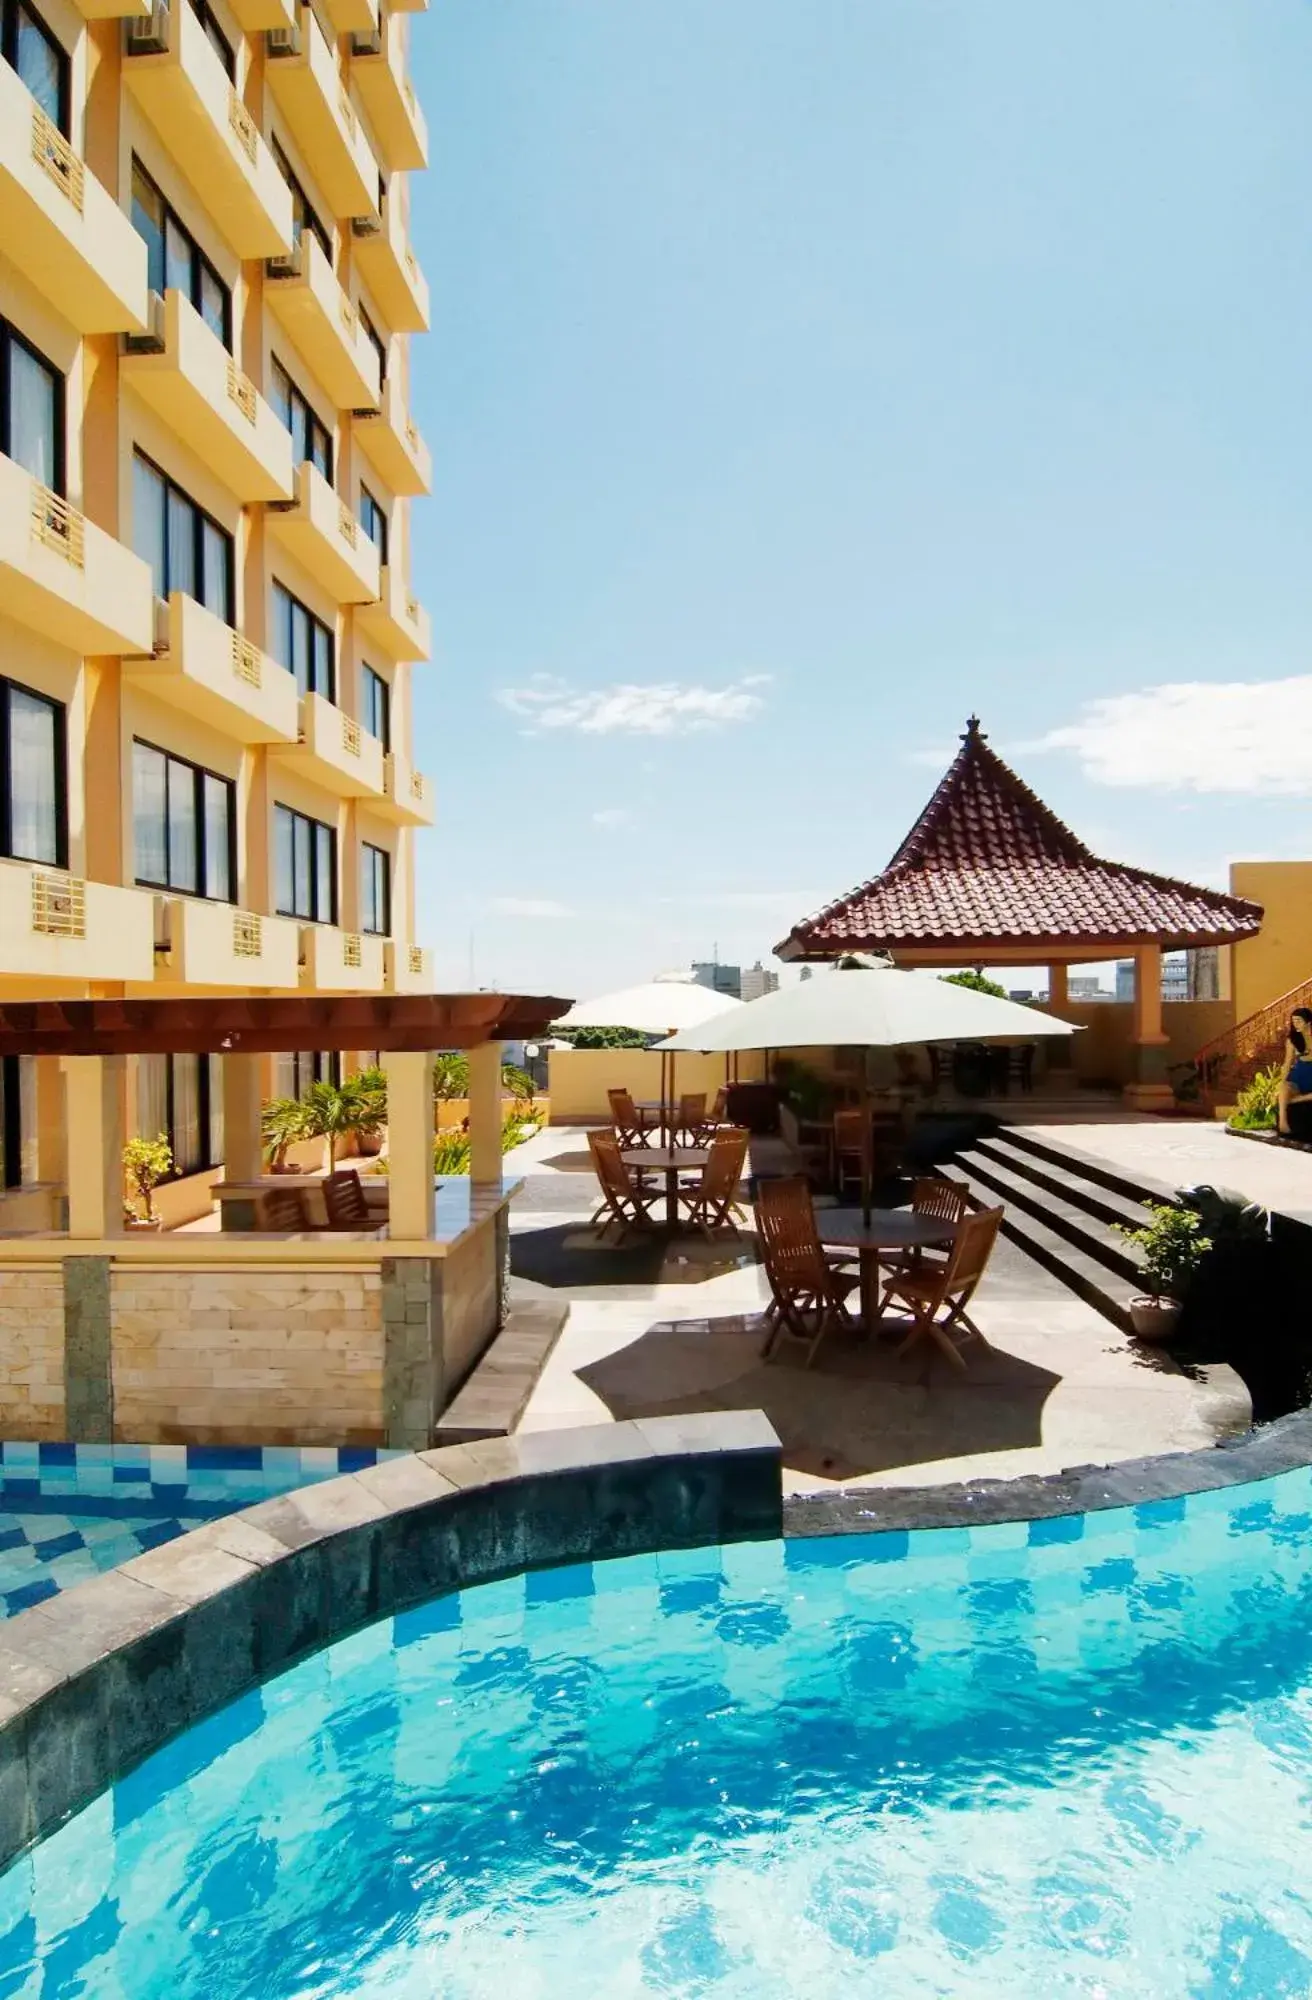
[1224,1065]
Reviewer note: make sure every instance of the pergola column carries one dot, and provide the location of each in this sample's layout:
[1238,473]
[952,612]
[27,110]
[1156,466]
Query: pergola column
[1148,1089]
[243,1078]
[411,1186]
[93,1107]
[485,1113]
[1058,1053]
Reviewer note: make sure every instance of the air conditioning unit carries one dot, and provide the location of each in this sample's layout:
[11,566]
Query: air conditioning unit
[152,340]
[366,225]
[161,626]
[286,266]
[163,929]
[283,41]
[148,34]
[367,45]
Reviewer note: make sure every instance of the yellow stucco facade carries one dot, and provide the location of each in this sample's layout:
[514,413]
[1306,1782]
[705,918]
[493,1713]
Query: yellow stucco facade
[207,617]
[1279,958]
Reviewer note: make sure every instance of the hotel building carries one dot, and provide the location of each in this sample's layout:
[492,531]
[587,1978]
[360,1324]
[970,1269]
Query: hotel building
[208,617]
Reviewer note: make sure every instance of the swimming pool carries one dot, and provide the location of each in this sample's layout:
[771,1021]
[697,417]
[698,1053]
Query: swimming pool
[1068,1757]
[71,1511]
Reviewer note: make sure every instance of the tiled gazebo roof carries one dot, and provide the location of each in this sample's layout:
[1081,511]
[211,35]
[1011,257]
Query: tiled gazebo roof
[988,865]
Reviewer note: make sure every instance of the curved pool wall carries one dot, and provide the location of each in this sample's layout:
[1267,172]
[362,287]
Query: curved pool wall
[98,1679]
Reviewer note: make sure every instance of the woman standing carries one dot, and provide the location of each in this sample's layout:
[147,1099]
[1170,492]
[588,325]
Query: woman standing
[1296,1080]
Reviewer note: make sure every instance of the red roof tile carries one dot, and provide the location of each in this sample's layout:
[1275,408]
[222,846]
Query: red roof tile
[988,862]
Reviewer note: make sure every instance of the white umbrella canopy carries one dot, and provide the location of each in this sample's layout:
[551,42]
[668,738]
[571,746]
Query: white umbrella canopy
[887,1009]
[658,1008]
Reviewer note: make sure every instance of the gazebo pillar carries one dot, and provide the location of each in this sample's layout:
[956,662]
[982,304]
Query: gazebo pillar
[485,1113]
[1059,1053]
[243,1078]
[93,1101]
[1148,1089]
[411,1212]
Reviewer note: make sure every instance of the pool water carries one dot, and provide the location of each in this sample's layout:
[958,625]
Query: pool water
[71,1511]
[1064,1758]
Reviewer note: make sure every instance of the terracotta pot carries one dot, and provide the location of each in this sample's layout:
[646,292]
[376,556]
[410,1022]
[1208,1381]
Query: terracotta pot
[136,1222]
[1154,1320]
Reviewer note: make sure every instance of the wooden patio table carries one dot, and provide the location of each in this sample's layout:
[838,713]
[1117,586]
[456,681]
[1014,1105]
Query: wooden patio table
[888,1229]
[670,1161]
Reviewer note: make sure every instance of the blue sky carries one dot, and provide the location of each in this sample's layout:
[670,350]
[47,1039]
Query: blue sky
[804,376]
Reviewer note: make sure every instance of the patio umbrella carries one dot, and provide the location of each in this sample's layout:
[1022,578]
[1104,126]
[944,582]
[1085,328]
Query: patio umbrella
[883,1009]
[661,1007]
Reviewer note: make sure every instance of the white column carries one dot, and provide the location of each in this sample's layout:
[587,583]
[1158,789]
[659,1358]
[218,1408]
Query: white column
[410,1211]
[93,1103]
[242,1096]
[485,1113]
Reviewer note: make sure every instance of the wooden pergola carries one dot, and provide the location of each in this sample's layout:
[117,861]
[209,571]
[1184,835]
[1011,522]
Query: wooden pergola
[989,875]
[92,1038]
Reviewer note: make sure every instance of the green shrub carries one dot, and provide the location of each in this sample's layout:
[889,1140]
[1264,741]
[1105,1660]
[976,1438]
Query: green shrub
[451,1153]
[146,1162]
[1257,1106]
[605,1038]
[1173,1247]
[976,982]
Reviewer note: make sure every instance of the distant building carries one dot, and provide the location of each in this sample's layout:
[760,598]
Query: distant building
[1086,986]
[1175,977]
[719,978]
[757,981]
[1021,994]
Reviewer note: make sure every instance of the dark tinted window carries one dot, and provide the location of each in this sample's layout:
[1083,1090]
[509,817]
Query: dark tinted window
[303,644]
[33,811]
[375,889]
[39,58]
[376,341]
[31,409]
[183,825]
[310,438]
[182,1097]
[303,215]
[305,867]
[216,38]
[376,706]
[174,259]
[374,522]
[186,550]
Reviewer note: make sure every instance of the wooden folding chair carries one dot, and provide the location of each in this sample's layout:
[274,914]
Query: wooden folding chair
[626,1198]
[941,1200]
[712,1197]
[629,1121]
[690,1117]
[344,1202]
[284,1209]
[809,1295]
[713,1119]
[936,1295]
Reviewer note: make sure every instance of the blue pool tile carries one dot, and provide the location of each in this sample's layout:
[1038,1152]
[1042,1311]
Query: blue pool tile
[30,1594]
[57,1454]
[157,1533]
[62,1545]
[1159,1513]
[131,1475]
[1059,1528]
[12,1538]
[552,1586]
[442,1615]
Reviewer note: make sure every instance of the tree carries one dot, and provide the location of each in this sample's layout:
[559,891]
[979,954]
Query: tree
[607,1038]
[976,982]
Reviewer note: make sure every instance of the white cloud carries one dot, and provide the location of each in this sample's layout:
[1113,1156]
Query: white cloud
[529,906]
[1252,737]
[660,708]
[612,816]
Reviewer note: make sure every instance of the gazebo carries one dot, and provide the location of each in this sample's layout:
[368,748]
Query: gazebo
[989,875]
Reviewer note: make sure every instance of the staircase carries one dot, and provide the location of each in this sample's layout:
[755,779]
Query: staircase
[1060,1208]
[1230,1062]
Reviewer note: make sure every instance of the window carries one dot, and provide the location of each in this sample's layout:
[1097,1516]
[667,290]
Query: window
[18,1163]
[183,825]
[305,867]
[31,409]
[39,59]
[374,522]
[174,259]
[296,1070]
[303,215]
[186,550]
[375,890]
[33,800]
[182,1097]
[216,38]
[376,706]
[375,340]
[303,644]
[310,438]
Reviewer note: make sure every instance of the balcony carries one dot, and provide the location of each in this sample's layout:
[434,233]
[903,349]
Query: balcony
[209,670]
[407,794]
[183,88]
[335,961]
[407,968]
[63,230]
[303,294]
[57,926]
[389,439]
[200,943]
[333,751]
[111,10]
[308,90]
[395,620]
[352,17]
[378,71]
[256,16]
[389,267]
[187,376]
[65,578]
[326,539]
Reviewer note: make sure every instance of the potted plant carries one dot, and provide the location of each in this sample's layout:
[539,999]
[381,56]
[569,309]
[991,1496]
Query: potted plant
[282,1123]
[146,1162]
[1173,1247]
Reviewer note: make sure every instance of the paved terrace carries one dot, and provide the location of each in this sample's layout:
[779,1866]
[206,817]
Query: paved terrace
[660,1328]
[1182,1152]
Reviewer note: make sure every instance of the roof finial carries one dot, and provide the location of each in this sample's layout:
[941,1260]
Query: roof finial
[973,732]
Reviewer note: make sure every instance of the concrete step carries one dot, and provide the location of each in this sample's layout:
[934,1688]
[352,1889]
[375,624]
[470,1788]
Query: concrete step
[1108,1291]
[1066,1182]
[1063,1214]
[1102,1173]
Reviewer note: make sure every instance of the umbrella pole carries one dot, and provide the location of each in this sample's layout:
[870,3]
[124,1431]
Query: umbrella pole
[867,1161]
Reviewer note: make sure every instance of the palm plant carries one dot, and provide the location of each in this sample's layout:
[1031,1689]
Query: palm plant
[450,1076]
[282,1123]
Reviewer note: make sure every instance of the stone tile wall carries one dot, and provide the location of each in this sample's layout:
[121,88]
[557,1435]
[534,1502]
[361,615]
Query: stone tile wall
[241,1356]
[32,1354]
